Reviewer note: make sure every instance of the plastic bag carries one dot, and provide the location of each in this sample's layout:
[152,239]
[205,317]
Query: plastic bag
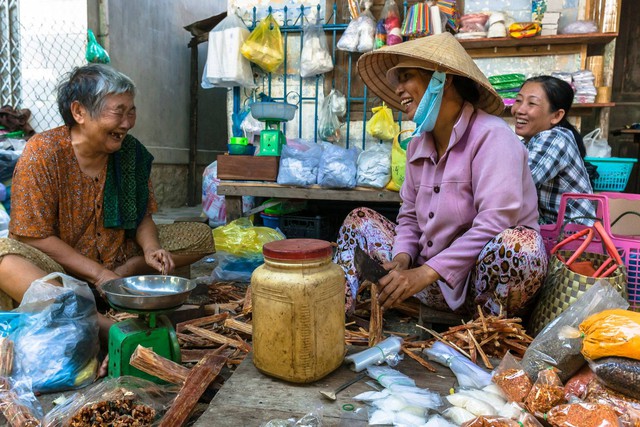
[338,167]
[398,160]
[381,124]
[55,334]
[579,27]
[95,53]
[235,268]
[226,67]
[240,237]
[582,414]
[512,379]
[312,419]
[619,374]
[213,205]
[333,107]
[390,17]
[596,145]
[546,393]
[133,397]
[315,57]
[627,408]
[547,349]
[492,421]
[374,166]
[360,34]
[299,164]
[468,373]
[264,46]
[4,222]
[577,384]
[18,404]
[611,333]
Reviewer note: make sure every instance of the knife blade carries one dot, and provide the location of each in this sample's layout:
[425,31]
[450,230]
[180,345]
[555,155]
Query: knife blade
[366,267]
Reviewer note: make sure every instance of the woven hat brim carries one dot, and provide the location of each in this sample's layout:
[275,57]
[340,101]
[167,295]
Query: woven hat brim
[441,52]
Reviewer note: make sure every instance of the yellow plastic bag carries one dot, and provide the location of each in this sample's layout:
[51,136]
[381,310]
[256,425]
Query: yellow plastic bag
[611,333]
[240,237]
[398,161]
[264,45]
[381,124]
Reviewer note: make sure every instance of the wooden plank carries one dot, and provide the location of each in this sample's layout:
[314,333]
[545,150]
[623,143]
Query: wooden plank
[524,50]
[195,384]
[360,194]
[271,398]
[576,39]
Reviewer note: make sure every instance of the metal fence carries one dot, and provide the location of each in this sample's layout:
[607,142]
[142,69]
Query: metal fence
[33,57]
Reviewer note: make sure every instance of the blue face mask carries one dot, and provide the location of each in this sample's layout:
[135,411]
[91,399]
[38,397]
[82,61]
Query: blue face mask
[429,107]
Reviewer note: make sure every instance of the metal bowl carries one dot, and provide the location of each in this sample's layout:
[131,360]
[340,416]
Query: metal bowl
[275,111]
[148,292]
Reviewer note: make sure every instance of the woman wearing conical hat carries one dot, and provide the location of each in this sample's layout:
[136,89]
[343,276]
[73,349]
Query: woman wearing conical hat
[467,232]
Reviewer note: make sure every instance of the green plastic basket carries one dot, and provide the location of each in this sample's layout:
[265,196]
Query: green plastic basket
[614,172]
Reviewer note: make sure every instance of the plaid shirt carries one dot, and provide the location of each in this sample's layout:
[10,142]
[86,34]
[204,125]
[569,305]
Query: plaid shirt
[557,168]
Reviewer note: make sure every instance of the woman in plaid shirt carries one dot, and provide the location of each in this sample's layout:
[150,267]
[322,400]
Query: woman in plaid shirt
[556,149]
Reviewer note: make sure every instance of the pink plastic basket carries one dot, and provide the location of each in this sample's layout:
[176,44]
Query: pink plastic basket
[619,214]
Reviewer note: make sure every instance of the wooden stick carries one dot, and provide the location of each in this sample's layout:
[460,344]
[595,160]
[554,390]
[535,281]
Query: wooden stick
[484,357]
[6,357]
[202,321]
[418,359]
[194,385]
[148,361]
[237,325]
[247,305]
[439,337]
[218,338]
[376,319]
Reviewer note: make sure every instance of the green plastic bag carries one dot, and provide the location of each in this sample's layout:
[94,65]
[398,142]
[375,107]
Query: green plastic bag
[240,237]
[95,53]
[264,46]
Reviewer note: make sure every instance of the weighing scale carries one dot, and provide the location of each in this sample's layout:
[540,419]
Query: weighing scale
[151,329]
[272,114]
[151,298]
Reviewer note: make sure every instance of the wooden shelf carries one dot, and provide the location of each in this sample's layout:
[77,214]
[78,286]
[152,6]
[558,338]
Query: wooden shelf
[589,38]
[576,109]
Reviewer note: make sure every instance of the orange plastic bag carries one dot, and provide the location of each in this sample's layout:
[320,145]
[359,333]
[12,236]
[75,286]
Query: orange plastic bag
[611,333]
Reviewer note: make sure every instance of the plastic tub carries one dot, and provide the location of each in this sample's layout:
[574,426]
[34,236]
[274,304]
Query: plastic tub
[273,111]
[272,221]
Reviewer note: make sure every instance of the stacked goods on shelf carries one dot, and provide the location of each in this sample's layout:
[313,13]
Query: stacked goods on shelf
[507,86]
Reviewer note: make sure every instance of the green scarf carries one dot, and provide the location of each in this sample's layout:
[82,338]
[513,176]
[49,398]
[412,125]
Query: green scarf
[126,188]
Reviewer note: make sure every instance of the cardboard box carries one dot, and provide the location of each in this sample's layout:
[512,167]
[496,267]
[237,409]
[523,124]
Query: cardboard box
[549,30]
[248,168]
[550,18]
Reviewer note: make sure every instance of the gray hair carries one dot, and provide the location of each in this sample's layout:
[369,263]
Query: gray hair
[90,85]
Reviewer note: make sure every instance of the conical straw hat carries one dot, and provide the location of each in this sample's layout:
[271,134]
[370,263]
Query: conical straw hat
[440,52]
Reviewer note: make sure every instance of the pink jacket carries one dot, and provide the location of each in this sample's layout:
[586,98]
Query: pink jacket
[452,207]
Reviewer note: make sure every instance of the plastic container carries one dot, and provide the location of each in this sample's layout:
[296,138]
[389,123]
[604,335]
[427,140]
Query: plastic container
[272,221]
[314,227]
[298,311]
[614,172]
[241,149]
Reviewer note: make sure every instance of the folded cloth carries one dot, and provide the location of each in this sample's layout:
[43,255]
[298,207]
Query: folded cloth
[126,188]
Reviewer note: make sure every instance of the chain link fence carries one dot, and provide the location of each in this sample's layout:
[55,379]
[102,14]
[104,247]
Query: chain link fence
[40,52]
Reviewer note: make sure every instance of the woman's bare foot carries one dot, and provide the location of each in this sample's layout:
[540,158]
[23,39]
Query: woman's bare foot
[103,370]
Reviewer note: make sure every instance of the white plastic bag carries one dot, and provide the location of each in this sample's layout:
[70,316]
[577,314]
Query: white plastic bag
[338,167]
[374,166]
[213,205]
[596,145]
[468,373]
[226,67]
[4,222]
[299,164]
[315,57]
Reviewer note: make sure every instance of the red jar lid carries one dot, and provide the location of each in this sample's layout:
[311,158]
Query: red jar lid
[297,249]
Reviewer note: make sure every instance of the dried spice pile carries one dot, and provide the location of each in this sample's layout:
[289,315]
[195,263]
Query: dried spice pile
[116,413]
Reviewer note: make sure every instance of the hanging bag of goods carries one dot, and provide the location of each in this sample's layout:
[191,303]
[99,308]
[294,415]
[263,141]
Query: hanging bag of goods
[570,274]
[265,47]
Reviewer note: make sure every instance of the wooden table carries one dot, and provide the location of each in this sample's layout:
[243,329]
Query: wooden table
[250,398]
[234,190]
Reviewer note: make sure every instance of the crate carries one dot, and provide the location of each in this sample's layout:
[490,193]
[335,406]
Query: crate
[614,172]
[311,227]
